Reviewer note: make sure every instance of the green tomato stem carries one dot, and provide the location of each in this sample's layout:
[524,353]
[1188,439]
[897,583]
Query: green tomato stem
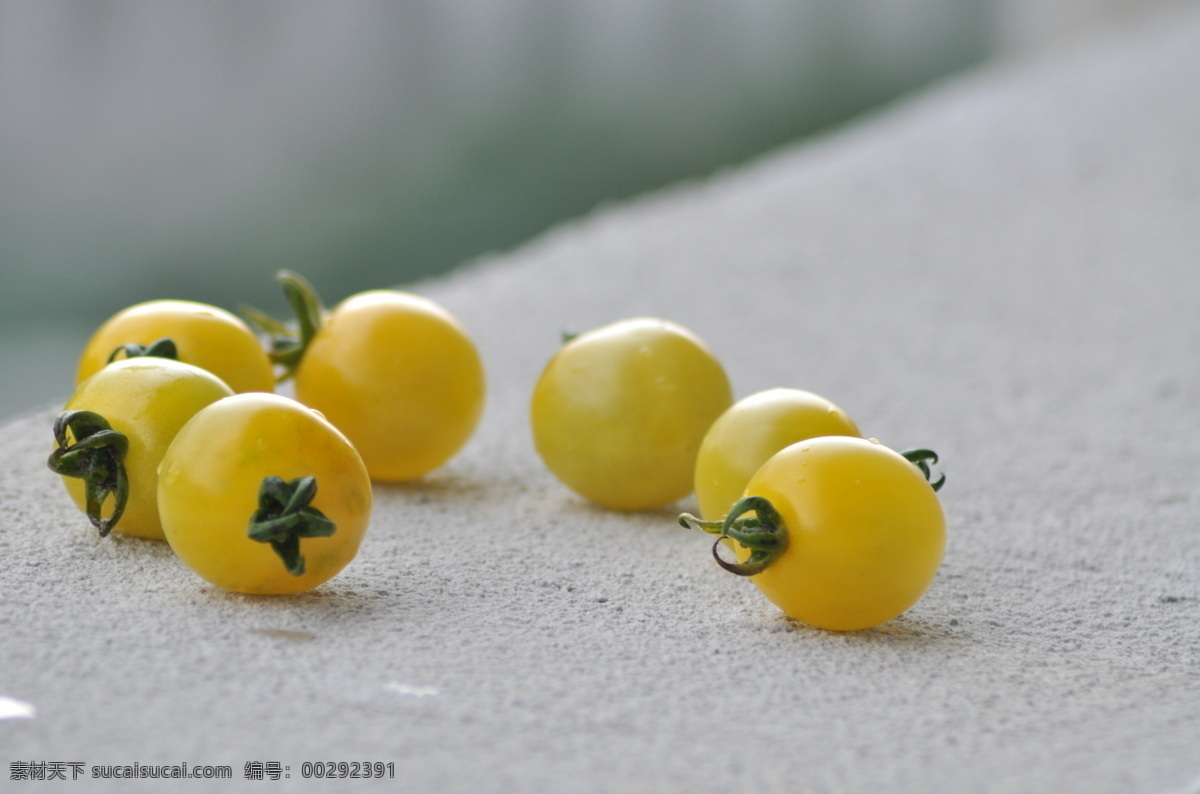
[287,347]
[923,459]
[762,533]
[284,517]
[159,348]
[97,457]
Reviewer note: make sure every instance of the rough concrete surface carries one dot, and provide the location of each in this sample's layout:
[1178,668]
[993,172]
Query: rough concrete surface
[1005,268]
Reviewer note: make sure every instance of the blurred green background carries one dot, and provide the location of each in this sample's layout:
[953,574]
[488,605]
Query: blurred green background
[152,149]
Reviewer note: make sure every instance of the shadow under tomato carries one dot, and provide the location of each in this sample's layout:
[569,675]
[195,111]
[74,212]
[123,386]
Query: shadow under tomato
[438,487]
[330,599]
[285,634]
[668,515]
[905,630]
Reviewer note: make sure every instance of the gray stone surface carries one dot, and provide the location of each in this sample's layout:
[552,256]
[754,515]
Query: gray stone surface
[1005,268]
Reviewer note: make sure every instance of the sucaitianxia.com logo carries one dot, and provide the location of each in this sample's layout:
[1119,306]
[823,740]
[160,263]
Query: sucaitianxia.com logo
[74,770]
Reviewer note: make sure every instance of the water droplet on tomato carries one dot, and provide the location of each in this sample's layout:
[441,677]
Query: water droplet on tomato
[171,473]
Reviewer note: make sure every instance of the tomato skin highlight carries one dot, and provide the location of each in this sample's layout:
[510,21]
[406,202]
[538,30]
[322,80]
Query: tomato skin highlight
[400,377]
[148,400]
[866,532]
[209,482]
[206,336]
[750,432]
[618,413]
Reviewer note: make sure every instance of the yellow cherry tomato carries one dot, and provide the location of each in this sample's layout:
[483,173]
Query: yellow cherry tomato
[116,428]
[260,494]
[750,432]
[619,412]
[399,376]
[206,336]
[841,533]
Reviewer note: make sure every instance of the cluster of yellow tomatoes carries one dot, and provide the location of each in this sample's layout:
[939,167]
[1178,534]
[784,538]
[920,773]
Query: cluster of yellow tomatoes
[258,492]
[175,432]
[838,531]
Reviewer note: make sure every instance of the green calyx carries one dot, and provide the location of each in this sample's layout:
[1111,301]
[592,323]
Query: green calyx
[159,348]
[762,532]
[287,345]
[923,459]
[97,457]
[284,516]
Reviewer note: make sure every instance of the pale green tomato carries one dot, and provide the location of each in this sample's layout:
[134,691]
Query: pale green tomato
[753,430]
[206,336]
[865,532]
[145,400]
[211,490]
[618,413]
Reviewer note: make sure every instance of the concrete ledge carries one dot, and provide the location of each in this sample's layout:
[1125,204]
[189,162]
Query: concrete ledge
[1004,268]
